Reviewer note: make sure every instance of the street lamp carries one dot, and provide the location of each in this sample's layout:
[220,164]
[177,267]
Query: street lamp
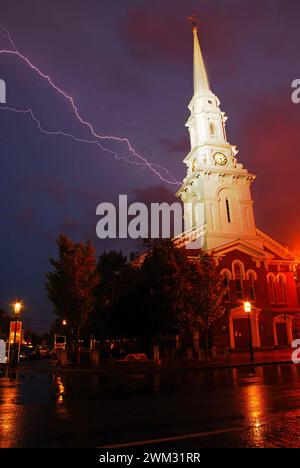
[64,322]
[17,306]
[248,309]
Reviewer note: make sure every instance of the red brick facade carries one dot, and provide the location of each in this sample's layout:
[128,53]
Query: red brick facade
[271,283]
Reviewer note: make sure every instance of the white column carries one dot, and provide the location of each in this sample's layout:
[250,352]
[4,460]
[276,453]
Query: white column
[275,333]
[231,332]
[255,329]
[289,330]
[196,341]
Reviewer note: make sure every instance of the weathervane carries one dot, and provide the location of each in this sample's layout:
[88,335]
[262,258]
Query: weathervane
[194,21]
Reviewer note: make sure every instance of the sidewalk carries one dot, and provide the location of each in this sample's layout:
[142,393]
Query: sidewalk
[262,358]
[237,359]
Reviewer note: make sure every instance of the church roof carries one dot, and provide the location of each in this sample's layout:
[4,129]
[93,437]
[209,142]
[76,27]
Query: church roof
[272,251]
[243,246]
[280,252]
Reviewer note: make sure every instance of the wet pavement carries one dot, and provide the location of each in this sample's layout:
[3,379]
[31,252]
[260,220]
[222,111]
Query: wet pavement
[239,407]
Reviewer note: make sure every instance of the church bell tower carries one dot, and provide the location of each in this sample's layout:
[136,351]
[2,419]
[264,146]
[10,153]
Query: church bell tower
[215,178]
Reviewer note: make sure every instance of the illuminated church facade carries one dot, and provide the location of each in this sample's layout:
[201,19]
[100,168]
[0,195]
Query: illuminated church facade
[254,267]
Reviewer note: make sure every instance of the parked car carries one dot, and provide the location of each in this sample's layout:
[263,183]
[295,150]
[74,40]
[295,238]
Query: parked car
[44,351]
[29,353]
[135,358]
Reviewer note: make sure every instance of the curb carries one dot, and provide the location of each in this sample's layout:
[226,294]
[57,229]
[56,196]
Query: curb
[150,370]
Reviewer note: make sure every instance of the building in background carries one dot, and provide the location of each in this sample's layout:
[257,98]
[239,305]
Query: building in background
[254,267]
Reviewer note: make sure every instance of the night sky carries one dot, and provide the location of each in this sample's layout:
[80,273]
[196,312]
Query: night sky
[128,66]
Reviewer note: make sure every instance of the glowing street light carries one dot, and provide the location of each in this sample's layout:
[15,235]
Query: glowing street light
[248,309]
[15,354]
[64,322]
[17,307]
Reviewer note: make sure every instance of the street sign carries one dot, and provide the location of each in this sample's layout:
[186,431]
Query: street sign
[60,342]
[14,342]
[2,352]
[15,332]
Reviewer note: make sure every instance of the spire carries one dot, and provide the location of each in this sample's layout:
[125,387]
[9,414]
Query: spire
[201,83]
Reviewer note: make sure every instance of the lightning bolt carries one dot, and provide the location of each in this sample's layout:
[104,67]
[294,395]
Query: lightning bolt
[154,168]
[81,140]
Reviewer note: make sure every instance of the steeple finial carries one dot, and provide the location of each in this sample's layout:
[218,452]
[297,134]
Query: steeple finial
[194,21]
[201,83]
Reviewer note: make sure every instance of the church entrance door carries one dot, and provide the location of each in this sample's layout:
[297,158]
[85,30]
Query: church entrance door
[282,337]
[241,333]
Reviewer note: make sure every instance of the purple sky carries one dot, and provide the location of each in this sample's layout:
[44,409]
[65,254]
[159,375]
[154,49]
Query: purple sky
[128,65]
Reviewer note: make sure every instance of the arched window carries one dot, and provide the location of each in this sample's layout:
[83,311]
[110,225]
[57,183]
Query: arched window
[228,212]
[226,275]
[251,277]
[238,276]
[280,290]
[271,288]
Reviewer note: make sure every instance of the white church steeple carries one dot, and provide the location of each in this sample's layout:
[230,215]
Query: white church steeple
[214,176]
[207,122]
[201,83]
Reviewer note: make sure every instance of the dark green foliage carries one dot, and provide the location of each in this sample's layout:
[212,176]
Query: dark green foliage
[71,284]
[166,294]
[4,324]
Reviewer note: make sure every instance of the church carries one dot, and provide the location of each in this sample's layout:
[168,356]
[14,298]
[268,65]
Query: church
[254,267]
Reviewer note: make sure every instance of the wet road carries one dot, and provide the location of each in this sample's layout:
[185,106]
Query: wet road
[244,407]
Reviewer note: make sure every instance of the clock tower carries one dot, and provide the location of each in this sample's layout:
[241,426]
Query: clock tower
[219,219]
[215,179]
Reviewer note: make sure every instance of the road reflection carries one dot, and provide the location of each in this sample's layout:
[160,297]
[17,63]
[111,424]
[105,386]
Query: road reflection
[60,389]
[11,415]
[87,409]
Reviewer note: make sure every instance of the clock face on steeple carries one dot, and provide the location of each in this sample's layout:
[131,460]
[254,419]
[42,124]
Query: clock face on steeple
[220,159]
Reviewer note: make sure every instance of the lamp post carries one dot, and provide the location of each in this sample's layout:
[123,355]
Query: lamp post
[17,306]
[248,309]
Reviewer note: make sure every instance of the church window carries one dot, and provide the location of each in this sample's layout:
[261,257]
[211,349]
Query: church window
[228,211]
[238,277]
[280,290]
[224,131]
[212,129]
[226,284]
[251,285]
[271,288]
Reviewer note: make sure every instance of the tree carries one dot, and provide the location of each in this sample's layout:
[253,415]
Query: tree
[207,295]
[125,308]
[164,293]
[174,294]
[4,324]
[71,285]
[110,268]
[141,300]
[163,290]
